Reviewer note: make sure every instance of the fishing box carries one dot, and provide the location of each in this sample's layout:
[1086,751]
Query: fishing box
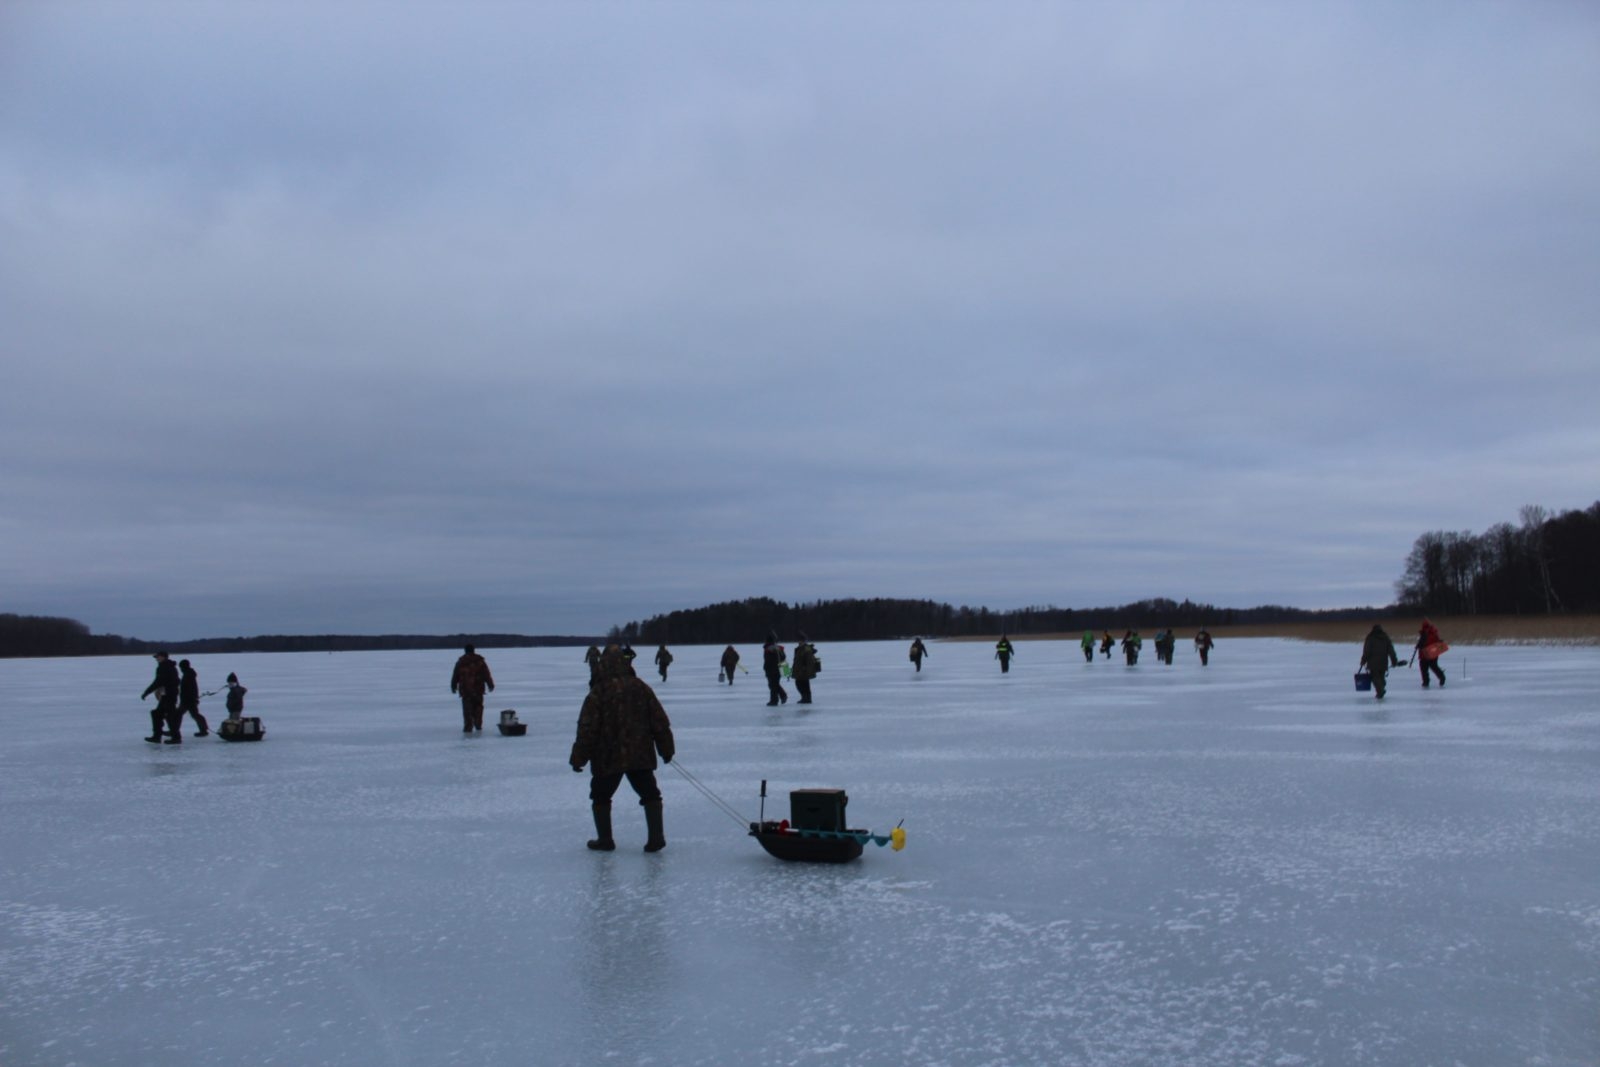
[817,809]
[1363,681]
[509,726]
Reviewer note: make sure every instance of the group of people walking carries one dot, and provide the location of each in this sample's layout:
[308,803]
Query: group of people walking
[176,688]
[1378,655]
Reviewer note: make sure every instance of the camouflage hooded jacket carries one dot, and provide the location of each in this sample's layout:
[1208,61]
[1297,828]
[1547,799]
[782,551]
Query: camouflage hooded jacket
[622,725]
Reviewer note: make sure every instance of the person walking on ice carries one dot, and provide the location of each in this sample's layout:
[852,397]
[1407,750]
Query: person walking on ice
[1203,644]
[918,650]
[1087,644]
[1377,656]
[1429,649]
[189,698]
[663,660]
[621,728]
[1003,652]
[470,679]
[730,663]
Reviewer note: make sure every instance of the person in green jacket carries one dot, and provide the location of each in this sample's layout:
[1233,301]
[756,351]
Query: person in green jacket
[1087,644]
[805,667]
[1003,652]
[1377,656]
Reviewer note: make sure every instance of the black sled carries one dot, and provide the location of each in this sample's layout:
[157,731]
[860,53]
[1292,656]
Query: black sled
[248,729]
[815,831]
[509,726]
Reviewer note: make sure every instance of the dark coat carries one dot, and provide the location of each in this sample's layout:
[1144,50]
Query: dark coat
[772,658]
[189,689]
[622,725]
[806,664]
[1377,652]
[730,658]
[166,680]
[471,676]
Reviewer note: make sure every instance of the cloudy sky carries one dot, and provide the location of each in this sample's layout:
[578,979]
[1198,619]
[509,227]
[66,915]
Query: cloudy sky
[437,317]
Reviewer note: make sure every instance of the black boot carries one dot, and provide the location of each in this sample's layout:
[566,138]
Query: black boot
[652,822]
[603,841]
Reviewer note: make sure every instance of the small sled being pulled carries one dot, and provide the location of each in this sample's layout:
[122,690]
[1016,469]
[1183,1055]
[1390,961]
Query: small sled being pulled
[509,726]
[248,729]
[815,831]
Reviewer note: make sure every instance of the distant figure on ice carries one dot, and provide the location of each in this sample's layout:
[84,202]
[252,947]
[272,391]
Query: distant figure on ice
[620,729]
[1130,646]
[730,662]
[1003,652]
[1202,645]
[164,717]
[806,667]
[1107,643]
[663,660]
[1427,655]
[189,698]
[235,698]
[592,658]
[1166,640]
[470,678]
[1377,656]
[918,650]
[1088,646]
[773,658]
[629,654]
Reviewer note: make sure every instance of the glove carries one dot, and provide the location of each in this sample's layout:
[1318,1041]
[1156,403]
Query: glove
[666,759]
[576,769]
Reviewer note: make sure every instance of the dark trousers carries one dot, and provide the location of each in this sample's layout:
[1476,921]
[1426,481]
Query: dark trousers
[729,672]
[775,693]
[1430,665]
[471,711]
[803,685]
[1005,664]
[1088,653]
[1205,655]
[167,716]
[918,661]
[602,787]
[199,719]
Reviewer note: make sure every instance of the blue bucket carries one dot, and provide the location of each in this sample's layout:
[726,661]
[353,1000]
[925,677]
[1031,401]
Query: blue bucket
[1363,681]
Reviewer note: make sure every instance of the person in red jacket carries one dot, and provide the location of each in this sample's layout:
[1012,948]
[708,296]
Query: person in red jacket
[1427,637]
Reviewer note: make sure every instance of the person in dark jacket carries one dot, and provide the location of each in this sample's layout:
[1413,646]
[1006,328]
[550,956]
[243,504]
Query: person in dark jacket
[730,662]
[592,658]
[470,679]
[772,660]
[1203,645]
[1003,652]
[1166,641]
[620,729]
[1107,643]
[663,661]
[806,666]
[1131,643]
[1427,636]
[235,698]
[164,717]
[1377,656]
[189,697]
[918,650]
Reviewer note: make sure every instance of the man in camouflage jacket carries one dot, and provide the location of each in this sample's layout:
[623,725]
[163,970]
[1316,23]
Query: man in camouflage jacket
[620,729]
[470,678]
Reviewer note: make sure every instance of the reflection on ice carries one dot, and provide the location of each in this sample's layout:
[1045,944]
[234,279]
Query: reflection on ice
[1248,863]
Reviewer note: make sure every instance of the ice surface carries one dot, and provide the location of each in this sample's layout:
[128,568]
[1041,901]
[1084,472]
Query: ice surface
[1249,863]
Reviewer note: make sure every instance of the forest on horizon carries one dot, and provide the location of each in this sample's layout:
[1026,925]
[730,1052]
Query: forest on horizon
[1548,564]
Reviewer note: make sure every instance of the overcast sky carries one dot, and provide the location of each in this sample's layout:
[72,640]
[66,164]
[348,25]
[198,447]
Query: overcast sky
[542,318]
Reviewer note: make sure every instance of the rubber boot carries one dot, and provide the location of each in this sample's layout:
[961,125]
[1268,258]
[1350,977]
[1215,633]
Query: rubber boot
[603,841]
[652,822]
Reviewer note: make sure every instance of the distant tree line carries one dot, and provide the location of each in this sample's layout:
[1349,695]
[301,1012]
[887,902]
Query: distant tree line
[41,635]
[1548,564]
[749,621]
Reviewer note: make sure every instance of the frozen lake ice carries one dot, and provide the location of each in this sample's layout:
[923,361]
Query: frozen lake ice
[1249,863]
